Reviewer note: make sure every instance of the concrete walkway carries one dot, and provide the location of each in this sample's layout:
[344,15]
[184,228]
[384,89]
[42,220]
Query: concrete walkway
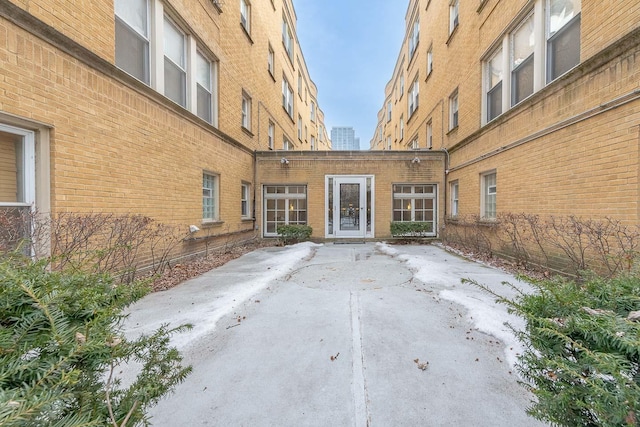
[340,335]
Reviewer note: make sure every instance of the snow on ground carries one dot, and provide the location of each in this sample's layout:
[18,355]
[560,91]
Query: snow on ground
[483,311]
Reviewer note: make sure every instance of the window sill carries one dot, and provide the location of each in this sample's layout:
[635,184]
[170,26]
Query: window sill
[483,3]
[246,33]
[216,5]
[429,75]
[247,131]
[453,33]
[452,130]
[211,223]
[247,219]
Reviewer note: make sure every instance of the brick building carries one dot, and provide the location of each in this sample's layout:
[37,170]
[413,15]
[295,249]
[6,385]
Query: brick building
[535,102]
[150,107]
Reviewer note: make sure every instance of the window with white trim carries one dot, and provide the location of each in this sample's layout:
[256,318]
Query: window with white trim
[414,38]
[401,85]
[429,134]
[182,69]
[488,196]
[284,205]
[413,97]
[246,111]
[453,110]
[287,38]
[300,84]
[522,60]
[133,37]
[389,142]
[415,203]
[210,198]
[286,144]
[429,60]
[175,63]
[493,83]
[271,59]
[454,11]
[299,127]
[401,128]
[313,111]
[563,36]
[414,145]
[388,111]
[245,201]
[313,143]
[287,97]
[245,15]
[454,188]
[271,135]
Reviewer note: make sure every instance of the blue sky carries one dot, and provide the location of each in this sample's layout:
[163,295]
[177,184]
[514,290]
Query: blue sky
[351,47]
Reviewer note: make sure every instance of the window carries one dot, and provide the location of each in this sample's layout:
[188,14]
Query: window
[245,201]
[287,145]
[271,61]
[453,110]
[522,63]
[389,142]
[413,97]
[388,111]
[414,38]
[415,202]
[429,134]
[401,128]
[493,76]
[175,64]
[454,198]
[204,89]
[313,111]
[287,97]
[299,127]
[563,36]
[429,61]
[453,15]
[182,69]
[245,15]
[401,85]
[271,134]
[313,143]
[287,38]
[284,205]
[133,38]
[306,133]
[488,197]
[246,111]
[415,145]
[300,84]
[209,197]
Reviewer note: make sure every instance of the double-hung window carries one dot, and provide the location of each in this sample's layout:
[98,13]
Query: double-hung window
[245,201]
[493,83]
[429,134]
[204,87]
[287,97]
[563,36]
[313,111]
[488,196]
[246,111]
[245,15]
[401,128]
[429,60]
[175,63]
[413,97]
[414,38]
[210,200]
[287,38]
[522,61]
[271,59]
[271,134]
[453,110]
[388,111]
[299,127]
[454,10]
[133,37]
[454,187]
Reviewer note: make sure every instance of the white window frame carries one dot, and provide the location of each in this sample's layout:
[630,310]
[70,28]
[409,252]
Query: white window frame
[287,38]
[142,34]
[286,144]
[488,196]
[388,111]
[429,60]
[389,142]
[299,127]
[415,144]
[454,187]
[454,15]
[313,143]
[489,87]
[414,38]
[401,85]
[287,97]
[183,66]
[245,200]
[401,128]
[271,61]
[429,134]
[414,94]
[291,205]
[408,203]
[210,191]
[313,112]
[155,56]
[204,87]
[271,135]
[454,110]
[245,15]
[570,23]
[27,187]
[246,111]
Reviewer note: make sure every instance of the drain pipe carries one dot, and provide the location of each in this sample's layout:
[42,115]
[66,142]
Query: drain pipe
[446,186]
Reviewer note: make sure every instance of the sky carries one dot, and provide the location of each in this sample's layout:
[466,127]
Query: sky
[351,48]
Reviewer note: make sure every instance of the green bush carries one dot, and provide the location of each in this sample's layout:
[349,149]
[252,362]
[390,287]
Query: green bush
[294,233]
[60,342]
[582,351]
[411,229]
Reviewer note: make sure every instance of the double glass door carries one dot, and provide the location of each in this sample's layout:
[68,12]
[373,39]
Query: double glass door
[349,201]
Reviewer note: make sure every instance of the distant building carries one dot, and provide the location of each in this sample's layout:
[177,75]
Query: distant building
[344,138]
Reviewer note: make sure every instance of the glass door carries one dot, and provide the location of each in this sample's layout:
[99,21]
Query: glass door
[349,206]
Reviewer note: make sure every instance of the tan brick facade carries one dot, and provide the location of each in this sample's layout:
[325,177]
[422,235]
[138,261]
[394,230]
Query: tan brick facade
[569,148]
[105,141]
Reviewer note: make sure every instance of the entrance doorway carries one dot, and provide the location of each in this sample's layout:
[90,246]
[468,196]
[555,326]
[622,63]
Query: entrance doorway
[349,206]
